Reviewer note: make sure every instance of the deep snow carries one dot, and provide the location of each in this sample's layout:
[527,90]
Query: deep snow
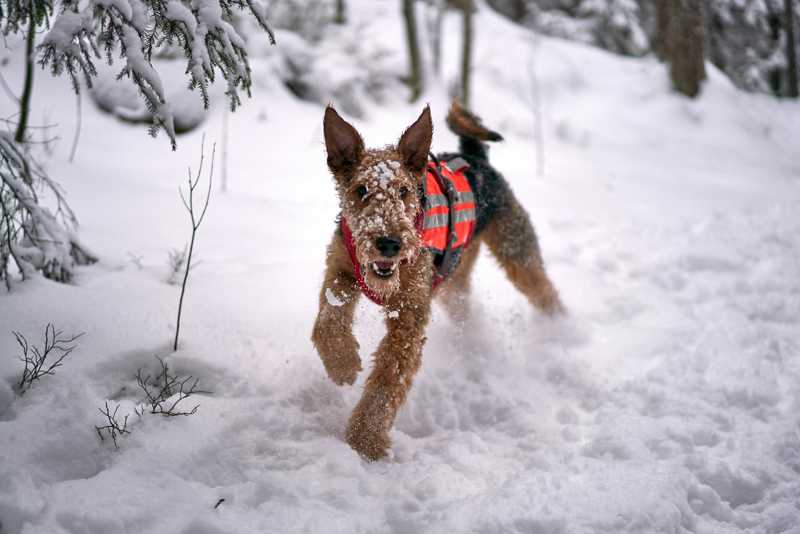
[666,402]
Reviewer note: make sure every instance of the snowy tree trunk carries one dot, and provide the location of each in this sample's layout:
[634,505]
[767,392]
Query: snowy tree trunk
[681,43]
[791,49]
[339,17]
[466,52]
[415,68]
[436,13]
[25,99]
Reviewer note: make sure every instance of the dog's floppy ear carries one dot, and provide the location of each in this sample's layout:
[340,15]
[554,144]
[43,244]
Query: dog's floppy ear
[415,143]
[344,144]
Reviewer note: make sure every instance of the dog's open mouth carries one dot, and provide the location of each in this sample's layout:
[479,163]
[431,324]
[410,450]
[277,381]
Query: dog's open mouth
[384,269]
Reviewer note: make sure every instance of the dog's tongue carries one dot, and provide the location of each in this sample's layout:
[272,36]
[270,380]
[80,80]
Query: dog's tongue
[384,265]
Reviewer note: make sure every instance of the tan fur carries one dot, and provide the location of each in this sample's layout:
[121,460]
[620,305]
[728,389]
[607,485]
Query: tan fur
[462,122]
[512,240]
[390,177]
[333,330]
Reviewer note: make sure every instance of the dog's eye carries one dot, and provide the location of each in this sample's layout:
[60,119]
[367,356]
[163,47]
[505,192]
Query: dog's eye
[361,191]
[403,192]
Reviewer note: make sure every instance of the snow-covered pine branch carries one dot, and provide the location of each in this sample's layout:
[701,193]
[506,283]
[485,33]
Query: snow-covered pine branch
[31,236]
[134,28]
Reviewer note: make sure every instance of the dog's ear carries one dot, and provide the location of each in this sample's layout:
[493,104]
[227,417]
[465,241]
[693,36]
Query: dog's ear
[343,142]
[415,144]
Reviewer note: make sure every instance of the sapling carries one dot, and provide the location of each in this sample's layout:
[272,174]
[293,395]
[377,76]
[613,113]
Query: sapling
[196,220]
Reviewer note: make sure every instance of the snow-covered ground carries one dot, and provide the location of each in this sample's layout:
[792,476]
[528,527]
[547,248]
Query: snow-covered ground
[667,401]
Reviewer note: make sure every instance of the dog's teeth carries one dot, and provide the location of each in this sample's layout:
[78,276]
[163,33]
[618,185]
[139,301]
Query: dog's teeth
[384,271]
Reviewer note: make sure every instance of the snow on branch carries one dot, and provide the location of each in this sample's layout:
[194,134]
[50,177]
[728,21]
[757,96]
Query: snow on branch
[133,28]
[33,238]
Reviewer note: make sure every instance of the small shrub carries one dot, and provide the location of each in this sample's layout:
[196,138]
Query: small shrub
[42,362]
[113,428]
[164,392]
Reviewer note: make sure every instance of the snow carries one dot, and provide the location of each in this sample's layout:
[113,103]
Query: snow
[666,401]
[332,299]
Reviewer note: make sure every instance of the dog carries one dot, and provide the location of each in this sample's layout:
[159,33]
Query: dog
[379,249]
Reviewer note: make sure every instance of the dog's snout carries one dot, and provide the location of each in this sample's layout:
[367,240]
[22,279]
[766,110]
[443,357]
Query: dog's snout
[388,246]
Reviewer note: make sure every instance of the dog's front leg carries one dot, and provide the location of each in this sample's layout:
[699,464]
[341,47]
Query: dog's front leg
[397,360]
[333,330]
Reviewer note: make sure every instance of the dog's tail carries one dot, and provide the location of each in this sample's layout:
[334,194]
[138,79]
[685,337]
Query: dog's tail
[470,131]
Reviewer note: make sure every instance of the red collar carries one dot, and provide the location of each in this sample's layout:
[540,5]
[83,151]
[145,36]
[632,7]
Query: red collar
[347,235]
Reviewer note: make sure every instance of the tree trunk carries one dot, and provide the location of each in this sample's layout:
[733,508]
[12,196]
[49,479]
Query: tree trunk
[415,72]
[339,17]
[435,18]
[791,49]
[25,99]
[662,29]
[681,43]
[466,53]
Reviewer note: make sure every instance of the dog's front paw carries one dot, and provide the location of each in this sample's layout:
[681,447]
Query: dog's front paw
[343,367]
[368,441]
[339,354]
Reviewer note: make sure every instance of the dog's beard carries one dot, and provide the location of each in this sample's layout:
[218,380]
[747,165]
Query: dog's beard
[381,274]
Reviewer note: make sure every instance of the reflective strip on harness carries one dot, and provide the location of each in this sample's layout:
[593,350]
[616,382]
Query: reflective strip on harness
[433,201]
[435,221]
[466,215]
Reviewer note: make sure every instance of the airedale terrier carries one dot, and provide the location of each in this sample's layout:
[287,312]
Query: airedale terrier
[382,246]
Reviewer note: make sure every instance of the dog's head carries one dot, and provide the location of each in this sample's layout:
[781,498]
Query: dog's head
[378,195]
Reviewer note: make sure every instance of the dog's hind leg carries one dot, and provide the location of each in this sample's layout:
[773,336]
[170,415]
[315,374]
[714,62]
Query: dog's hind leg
[512,240]
[454,292]
[333,330]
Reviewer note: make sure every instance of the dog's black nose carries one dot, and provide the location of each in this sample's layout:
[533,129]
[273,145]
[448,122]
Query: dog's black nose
[388,246]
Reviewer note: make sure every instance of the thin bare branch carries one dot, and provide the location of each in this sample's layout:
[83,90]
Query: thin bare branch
[113,427]
[42,362]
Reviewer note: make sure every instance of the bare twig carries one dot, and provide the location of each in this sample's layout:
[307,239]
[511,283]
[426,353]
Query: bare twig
[42,362]
[76,138]
[164,392]
[224,177]
[135,259]
[113,428]
[196,222]
[536,105]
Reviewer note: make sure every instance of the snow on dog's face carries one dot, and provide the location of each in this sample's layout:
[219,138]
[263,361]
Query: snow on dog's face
[378,195]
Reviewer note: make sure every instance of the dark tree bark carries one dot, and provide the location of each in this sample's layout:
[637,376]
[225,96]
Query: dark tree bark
[681,43]
[339,17]
[516,10]
[466,52]
[25,99]
[791,49]
[415,68]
